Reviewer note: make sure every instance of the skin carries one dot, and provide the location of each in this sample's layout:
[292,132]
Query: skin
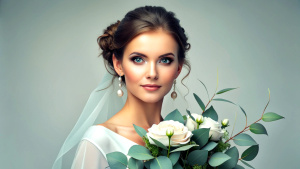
[150,58]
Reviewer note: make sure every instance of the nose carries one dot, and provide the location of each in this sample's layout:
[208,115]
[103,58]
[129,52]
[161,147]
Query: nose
[152,71]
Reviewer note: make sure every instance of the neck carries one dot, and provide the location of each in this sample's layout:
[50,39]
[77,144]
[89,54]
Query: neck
[140,113]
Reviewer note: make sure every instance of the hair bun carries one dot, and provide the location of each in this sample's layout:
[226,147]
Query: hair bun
[106,41]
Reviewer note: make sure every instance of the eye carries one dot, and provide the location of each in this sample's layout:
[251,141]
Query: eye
[166,60]
[137,59]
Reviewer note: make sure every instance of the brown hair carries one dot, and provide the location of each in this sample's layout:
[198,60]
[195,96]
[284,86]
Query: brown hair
[138,21]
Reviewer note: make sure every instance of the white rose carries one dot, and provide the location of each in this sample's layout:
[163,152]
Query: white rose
[158,131]
[215,128]
[190,123]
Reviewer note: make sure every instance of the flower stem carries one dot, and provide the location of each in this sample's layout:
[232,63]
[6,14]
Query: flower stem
[246,127]
[169,147]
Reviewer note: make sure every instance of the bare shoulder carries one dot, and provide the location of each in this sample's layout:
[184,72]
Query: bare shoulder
[109,126]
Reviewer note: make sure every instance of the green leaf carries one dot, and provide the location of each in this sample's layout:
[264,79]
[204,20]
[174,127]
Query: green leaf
[201,136]
[243,111]
[205,88]
[174,157]
[267,117]
[244,140]
[159,144]
[199,101]
[223,100]
[250,153]
[141,132]
[189,113]
[177,166]
[248,165]
[147,163]
[197,157]
[117,160]
[258,128]
[231,163]
[183,148]
[217,159]
[184,117]
[211,113]
[210,146]
[238,167]
[140,153]
[175,115]
[161,162]
[225,90]
[135,164]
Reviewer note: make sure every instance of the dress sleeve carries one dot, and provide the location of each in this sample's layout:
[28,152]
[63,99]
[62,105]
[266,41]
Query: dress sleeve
[88,156]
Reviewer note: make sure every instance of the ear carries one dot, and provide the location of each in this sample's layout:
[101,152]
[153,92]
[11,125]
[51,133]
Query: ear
[179,69]
[117,65]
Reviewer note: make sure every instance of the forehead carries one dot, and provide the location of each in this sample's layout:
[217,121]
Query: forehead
[154,43]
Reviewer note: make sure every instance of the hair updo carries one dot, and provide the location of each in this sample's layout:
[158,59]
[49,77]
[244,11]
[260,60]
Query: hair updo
[140,20]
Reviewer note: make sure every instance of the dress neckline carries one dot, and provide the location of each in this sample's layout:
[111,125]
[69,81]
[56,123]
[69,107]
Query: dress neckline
[118,135]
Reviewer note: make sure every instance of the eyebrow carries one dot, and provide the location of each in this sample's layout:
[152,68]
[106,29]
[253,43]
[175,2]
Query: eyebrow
[137,53]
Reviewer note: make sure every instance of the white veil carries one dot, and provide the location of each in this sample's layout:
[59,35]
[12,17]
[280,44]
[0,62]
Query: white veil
[102,104]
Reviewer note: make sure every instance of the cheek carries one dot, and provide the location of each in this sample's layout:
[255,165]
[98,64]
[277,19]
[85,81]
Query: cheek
[168,75]
[132,75]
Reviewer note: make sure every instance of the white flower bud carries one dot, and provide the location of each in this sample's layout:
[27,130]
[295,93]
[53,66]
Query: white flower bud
[225,122]
[199,119]
[170,131]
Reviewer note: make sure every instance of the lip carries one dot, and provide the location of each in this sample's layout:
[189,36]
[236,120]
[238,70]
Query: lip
[151,87]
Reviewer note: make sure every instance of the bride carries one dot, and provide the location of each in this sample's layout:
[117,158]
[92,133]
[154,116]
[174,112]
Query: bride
[145,52]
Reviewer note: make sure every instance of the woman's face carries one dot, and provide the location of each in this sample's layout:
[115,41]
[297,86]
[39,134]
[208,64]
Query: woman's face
[150,59]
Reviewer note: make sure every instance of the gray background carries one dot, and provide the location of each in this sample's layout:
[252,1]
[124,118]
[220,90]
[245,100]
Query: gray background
[49,66]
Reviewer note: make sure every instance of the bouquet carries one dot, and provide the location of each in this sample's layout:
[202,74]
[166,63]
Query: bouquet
[193,141]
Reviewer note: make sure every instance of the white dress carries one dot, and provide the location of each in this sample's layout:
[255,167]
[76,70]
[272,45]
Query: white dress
[95,144]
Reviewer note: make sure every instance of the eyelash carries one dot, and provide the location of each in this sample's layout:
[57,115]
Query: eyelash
[133,59]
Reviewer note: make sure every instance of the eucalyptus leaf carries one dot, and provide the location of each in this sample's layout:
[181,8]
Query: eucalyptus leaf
[140,153]
[250,153]
[189,113]
[225,90]
[244,140]
[238,167]
[199,101]
[268,117]
[243,111]
[177,166]
[232,162]
[159,144]
[141,132]
[223,100]
[211,113]
[197,157]
[248,165]
[258,128]
[174,157]
[183,148]
[135,164]
[175,115]
[161,162]
[218,158]
[201,136]
[117,160]
[210,146]
[147,163]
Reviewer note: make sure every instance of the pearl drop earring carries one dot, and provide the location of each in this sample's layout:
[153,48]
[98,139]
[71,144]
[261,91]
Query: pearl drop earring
[174,94]
[120,91]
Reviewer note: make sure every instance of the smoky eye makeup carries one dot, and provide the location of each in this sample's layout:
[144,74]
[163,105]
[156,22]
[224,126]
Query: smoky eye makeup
[139,58]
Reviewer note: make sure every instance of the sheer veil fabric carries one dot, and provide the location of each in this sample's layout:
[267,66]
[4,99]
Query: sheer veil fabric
[101,105]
